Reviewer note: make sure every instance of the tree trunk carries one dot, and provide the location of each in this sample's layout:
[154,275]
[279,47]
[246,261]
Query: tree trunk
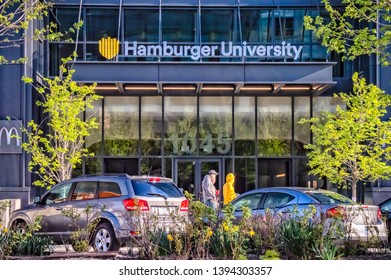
[354,191]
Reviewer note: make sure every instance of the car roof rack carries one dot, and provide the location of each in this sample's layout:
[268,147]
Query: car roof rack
[106,174]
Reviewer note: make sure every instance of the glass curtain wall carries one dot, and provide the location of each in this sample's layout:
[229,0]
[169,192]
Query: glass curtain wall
[215,125]
[183,25]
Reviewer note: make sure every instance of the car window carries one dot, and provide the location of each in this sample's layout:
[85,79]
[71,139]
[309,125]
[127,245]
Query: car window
[330,198]
[274,200]
[166,189]
[386,206]
[84,190]
[109,189]
[251,201]
[58,194]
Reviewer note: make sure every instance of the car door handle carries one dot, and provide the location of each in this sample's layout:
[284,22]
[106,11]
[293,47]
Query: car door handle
[59,208]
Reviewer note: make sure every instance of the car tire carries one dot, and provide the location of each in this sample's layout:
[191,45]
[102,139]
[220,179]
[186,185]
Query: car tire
[104,239]
[20,226]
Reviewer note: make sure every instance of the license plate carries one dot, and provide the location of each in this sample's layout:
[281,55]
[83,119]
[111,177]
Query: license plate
[163,211]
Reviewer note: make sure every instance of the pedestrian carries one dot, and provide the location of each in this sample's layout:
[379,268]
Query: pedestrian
[209,189]
[229,189]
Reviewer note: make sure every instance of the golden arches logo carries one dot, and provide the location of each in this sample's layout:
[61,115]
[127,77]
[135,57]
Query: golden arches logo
[108,47]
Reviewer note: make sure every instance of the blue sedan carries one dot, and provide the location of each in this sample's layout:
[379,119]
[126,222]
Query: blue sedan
[288,201]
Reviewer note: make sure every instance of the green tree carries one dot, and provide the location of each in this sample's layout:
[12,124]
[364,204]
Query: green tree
[352,145]
[18,16]
[56,153]
[362,27]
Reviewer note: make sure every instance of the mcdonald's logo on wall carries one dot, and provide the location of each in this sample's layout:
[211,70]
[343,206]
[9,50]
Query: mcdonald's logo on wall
[108,47]
[10,134]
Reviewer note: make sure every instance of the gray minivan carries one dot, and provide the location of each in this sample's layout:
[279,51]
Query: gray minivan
[117,202]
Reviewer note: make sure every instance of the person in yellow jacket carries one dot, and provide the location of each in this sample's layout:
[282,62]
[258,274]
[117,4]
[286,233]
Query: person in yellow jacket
[228,188]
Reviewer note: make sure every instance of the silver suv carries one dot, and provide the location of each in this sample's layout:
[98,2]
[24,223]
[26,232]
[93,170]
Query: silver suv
[114,199]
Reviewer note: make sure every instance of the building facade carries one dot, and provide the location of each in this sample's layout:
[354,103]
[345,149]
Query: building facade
[188,86]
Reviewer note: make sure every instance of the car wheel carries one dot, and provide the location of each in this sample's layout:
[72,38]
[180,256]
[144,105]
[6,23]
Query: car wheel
[104,238]
[20,226]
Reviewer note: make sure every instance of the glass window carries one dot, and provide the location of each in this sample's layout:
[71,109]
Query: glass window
[251,201]
[121,126]
[256,25]
[101,23]
[244,174]
[330,197]
[179,25]
[302,177]
[215,125]
[142,25]
[94,140]
[274,126]
[151,123]
[65,20]
[302,131]
[275,200]
[84,190]
[289,26]
[155,189]
[109,189]
[273,172]
[151,166]
[326,104]
[58,194]
[93,166]
[244,117]
[180,117]
[217,26]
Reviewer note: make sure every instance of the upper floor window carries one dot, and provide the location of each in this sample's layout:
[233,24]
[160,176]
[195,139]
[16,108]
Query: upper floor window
[101,23]
[141,25]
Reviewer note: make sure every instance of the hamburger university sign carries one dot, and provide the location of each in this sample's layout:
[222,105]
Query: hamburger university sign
[225,49]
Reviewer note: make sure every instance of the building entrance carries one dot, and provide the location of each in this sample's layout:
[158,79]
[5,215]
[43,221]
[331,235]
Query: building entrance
[188,173]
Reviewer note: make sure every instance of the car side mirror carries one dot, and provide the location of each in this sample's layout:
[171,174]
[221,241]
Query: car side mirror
[37,199]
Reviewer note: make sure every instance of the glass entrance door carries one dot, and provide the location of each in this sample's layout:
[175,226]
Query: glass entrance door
[188,174]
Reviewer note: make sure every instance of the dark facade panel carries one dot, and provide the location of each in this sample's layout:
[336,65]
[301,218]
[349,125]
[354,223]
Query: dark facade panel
[10,171]
[203,73]
[90,72]
[10,91]
[289,73]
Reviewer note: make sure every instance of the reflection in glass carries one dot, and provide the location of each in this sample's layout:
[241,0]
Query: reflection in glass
[151,166]
[215,125]
[289,26]
[273,173]
[274,126]
[179,26]
[186,176]
[101,23]
[93,166]
[66,18]
[302,131]
[142,25]
[326,104]
[151,123]
[302,178]
[256,25]
[121,126]
[244,118]
[94,140]
[244,174]
[180,117]
[217,26]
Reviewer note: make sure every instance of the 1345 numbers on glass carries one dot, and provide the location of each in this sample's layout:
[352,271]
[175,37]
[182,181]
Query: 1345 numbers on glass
[242,270]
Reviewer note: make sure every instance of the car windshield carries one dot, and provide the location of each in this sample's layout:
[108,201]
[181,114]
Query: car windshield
[165,189]
[330,198]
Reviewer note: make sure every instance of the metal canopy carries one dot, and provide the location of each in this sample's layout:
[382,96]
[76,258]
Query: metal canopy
[309,78]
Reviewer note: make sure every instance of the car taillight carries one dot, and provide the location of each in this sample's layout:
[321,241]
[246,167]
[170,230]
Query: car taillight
[335,212]
[184,205]
[379,215]
[133,204]
[154,179]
